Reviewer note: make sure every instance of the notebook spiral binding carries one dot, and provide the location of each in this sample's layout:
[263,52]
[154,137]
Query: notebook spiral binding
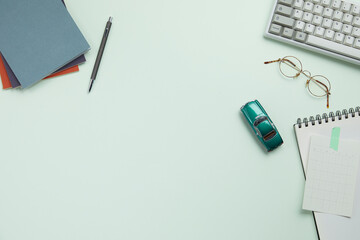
[331,116]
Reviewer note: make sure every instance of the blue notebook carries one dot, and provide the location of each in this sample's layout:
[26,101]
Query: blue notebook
[41,37]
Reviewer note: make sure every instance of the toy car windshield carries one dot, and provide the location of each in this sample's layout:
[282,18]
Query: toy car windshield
[266,130]
[259,120]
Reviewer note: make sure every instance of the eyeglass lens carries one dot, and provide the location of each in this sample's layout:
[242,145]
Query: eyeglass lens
[290,67]
[319,86]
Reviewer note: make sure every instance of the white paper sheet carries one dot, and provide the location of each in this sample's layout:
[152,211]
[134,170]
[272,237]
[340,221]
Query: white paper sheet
[331,176]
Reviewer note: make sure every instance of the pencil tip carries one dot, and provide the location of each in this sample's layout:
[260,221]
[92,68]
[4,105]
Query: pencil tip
[91,83]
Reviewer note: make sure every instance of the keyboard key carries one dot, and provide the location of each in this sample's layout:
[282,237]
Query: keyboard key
[300,36]
[328,13]
[337,26]
[275,29]
[325,3]
[315,1]
[349,40]
[347,29]
[336,4]
[309,28]
[318,9]
[357,43]
[284,21]
[333,47]
[299,4]
[284,10]
[329,34]
[345,7]
[319,31]
[338,15]
[327,23]
[355,10]
[339,37]
[308,7]
[356,22]
[298,14]
[286,2]
[348,18]
[288,33]
[299,25]
[356,32]
[307,17]
[317,20]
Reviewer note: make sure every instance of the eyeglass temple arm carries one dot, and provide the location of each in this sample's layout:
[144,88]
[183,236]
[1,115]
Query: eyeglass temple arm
[272,61]
[327,90]
[279,60]
[327,98]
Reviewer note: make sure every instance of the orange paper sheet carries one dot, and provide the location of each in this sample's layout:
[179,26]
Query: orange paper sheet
[4,77]
[6,82]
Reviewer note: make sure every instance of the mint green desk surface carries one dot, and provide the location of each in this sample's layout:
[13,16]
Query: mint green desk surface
[159,150]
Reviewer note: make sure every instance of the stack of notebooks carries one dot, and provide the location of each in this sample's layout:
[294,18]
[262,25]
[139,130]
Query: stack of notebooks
[39,39]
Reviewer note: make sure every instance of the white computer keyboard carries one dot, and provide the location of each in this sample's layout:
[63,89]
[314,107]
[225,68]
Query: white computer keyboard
[331,27]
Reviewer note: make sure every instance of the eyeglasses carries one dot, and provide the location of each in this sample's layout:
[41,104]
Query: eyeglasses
[318,85]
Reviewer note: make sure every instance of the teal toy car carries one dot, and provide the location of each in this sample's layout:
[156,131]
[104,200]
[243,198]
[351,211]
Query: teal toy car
[262,125]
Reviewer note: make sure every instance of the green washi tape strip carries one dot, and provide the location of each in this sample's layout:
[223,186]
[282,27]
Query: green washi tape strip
[335,137]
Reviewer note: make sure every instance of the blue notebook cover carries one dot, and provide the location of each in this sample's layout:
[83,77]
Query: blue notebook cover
[39,37]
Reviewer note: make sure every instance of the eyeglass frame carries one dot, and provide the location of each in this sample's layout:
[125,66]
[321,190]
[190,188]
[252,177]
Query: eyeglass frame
[307,74]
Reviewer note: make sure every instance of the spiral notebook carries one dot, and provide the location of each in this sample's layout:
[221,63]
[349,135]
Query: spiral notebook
[332,227]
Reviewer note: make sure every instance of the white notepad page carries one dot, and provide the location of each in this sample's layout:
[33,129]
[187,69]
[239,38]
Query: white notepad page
[331,176]
[329,226]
